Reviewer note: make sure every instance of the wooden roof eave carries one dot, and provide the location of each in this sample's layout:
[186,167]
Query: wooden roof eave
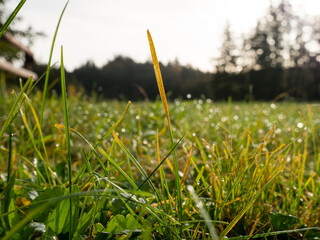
[14,42]
[20,72]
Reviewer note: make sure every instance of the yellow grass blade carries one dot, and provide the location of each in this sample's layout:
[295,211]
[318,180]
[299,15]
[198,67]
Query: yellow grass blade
[42,140]
[166,109]
[159,78]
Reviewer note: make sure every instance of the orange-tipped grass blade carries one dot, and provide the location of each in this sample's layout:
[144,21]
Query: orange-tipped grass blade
[165,106]
[159,78]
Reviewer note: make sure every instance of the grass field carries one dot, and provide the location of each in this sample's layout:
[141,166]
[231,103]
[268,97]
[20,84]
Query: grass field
[84,168]
[244,169]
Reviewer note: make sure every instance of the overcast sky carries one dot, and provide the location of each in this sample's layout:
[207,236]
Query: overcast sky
[98,30]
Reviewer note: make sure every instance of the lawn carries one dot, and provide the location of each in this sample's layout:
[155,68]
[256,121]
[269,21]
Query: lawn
[243,169]
[86,168]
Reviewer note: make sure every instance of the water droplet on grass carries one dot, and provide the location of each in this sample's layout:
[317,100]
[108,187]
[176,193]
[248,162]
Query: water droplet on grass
[224,119]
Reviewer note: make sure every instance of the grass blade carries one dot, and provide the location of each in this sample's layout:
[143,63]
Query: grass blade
[135,162]
[45,89]
[159,78]
[166,109]
[11,17]
[113,126]
[113,163]
[66,122]
[37,151]
[14,109]
[9,154]
[159,165]
[45,160]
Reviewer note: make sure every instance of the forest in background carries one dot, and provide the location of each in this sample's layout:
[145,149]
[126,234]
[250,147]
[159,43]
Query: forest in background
[277,60]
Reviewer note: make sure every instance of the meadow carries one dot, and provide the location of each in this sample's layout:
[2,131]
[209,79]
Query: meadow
[250,168]
[74,167]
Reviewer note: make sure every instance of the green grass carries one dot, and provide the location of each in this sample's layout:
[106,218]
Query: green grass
[85,168]
[229,154]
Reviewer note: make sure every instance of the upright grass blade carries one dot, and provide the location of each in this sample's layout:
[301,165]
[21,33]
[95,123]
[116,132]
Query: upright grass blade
[89,144]
[11,17]
[313,131]
[135,161]
[37,151]
[45,159]
[113,163]
[159,79]
[15,107]
[45,89]
[166,109]
[66,122]
[10,154]
[165,204]
[113,126]
[159,165]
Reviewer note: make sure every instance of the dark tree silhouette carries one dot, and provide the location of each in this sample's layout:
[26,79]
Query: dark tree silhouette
[227,61]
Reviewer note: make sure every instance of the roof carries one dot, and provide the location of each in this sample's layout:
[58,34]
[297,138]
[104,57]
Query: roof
[14,42]
[20,72]
[9,67]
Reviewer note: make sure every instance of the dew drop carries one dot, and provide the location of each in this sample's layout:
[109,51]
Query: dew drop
[300,125]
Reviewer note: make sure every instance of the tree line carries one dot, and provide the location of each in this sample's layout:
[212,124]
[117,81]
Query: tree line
[124,79]
[279,59]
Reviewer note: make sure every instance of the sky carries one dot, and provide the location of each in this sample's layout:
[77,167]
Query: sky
[98,30]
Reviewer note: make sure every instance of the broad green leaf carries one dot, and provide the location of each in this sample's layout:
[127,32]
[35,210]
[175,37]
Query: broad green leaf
[58,219]
[120,223]
[46,196]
